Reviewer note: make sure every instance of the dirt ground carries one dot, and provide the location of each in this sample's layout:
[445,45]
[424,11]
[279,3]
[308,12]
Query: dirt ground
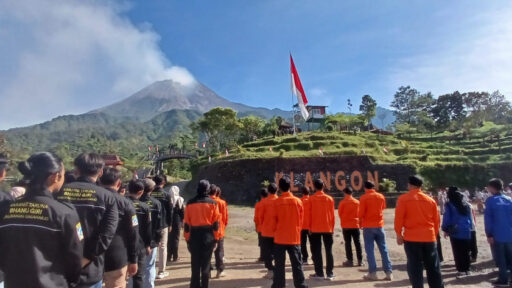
[241,252]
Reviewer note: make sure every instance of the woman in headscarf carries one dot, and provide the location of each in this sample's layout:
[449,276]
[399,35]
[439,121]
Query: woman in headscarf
[458,223]
[178,211]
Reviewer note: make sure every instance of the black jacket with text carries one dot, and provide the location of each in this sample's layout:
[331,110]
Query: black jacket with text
[165,199]
[144,221]
[123,248]
[156,218]
[41,242]
[97,209]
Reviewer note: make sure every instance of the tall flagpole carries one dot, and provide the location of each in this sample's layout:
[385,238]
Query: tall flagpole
[293,99]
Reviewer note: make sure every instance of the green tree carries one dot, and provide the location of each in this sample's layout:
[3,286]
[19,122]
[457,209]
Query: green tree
[220,127]
[271,128]
[404,103]
[368,108]
[251,128]
[448,108]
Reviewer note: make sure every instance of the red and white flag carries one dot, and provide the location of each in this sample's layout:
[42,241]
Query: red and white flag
[321,151]
[209,159]
[227,152]
[150,148]
[298,91]
[270,149]
[204,144]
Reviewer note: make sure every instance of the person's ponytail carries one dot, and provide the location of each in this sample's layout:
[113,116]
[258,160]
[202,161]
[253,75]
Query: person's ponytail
[37,168]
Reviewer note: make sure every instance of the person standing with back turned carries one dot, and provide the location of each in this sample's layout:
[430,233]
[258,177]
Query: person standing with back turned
[348,210]
[40,238]
[267,230]
[97,209]
[498,228]
[321,219]
[417,227]
[287,217]
[202,222]
[371,215]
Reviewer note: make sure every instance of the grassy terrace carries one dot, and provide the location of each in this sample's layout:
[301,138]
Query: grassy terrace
[447,148]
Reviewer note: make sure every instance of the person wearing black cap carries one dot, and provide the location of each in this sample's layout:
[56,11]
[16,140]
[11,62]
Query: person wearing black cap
[202,222]
[417,227]
[97,209]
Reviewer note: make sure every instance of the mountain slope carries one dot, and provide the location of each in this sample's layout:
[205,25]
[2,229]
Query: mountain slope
[168,95]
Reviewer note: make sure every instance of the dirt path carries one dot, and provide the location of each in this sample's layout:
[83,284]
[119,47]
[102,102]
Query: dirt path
[243,271]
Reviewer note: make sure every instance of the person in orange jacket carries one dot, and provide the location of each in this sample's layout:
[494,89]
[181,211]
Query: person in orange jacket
[287,218]
[257,207]
[266,223]
[321,227]
[371,215]
[202,223]
[348,210]
[417,226]
[223,209]
[304,234]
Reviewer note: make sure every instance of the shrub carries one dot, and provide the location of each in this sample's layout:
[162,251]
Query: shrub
[387,185]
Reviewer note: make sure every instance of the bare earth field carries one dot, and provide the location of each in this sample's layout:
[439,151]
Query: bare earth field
[241,252]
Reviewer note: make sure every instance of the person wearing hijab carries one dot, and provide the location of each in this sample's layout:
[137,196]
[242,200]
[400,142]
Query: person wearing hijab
[457,224]
[178,213]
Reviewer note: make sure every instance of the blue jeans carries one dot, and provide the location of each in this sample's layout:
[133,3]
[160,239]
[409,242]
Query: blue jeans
[503,255]
[150,269]
[377,235]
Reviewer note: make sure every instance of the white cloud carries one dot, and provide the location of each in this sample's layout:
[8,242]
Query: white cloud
[70,56]
[478,61]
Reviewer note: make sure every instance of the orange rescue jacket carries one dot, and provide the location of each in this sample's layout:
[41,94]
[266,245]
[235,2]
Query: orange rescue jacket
[288,215]
[201,213]
[322,217]
[417,217]
[256,219]
[307,212]
[223,210]
[348,210]
[371,209]
[266,214]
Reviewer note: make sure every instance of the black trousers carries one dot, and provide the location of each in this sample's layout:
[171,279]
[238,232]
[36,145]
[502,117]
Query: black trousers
[173,244]
[474,247]
[138,278]
[439,248]
[419,255]
[295,256]
[316,251]
[461,250]
[349,235]
[201,249]
[304,235]
[267,244]
[261,247]
[219,256]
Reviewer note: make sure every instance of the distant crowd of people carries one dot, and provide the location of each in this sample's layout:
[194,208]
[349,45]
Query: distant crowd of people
[88,229]
[286,224]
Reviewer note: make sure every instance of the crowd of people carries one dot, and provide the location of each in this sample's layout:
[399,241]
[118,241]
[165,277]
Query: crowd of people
[286,224]
[89,229]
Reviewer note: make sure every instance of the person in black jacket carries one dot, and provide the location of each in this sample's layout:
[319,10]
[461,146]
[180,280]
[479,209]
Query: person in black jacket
[165,199]
[5,198]
[156,228]
[121,255]
[98,214]
[135,190]
[40,238]
[178,214]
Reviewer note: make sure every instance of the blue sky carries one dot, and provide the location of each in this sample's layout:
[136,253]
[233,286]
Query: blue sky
[69,57]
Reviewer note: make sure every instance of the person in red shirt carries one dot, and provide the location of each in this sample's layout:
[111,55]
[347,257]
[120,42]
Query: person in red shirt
[287,218]
[304,234]
[266,222]
[321,227]
[257,207]
[223,209]
[371,215]
[348,210]
[416,227]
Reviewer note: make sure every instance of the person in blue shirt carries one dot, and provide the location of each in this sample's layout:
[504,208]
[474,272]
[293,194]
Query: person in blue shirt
[458,223]
[498,228]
